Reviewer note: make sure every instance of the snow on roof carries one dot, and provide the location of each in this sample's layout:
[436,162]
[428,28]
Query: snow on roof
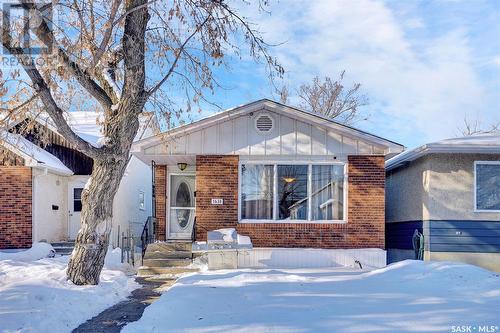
[88,125]
[34,155]
[479,143]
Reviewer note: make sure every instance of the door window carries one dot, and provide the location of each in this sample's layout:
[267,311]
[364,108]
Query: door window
[182,206]
[77,199]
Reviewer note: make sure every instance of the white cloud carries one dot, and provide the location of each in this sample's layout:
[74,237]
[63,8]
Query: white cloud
[419,89]
[496,60]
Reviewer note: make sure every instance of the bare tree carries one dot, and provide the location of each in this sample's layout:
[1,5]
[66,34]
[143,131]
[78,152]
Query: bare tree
[473,127]
[283,94]
[118,57]
[331,99]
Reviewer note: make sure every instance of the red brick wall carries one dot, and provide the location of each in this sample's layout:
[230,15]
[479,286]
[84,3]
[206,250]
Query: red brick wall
[161,200]
[217,177]
[15,207]
[366,201]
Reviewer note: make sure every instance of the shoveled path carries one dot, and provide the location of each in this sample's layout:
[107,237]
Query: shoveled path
[114,318]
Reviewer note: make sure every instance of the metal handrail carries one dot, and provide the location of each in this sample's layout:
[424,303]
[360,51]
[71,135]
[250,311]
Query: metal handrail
[193,232]
[147,235]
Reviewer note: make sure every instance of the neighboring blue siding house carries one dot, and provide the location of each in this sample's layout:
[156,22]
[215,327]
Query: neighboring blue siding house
[450,192]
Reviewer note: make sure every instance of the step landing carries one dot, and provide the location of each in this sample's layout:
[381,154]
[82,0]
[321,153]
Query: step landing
[167,258]
[63,248]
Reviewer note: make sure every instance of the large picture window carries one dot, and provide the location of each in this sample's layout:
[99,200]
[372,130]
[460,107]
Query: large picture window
[292,192]
[257,192]
[487,185]
[327,195]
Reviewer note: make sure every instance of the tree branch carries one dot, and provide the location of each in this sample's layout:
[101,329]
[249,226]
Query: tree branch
[44,33]
[56,114]
[177,57]
[107,33]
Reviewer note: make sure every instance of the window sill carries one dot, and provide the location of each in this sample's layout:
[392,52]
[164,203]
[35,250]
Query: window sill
[486,211]
[293,221]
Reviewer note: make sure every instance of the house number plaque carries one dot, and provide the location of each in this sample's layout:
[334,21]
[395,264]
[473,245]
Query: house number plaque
[217,201]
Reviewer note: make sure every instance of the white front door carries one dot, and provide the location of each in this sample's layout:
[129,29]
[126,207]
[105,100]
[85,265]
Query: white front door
[74,208]
[181,207]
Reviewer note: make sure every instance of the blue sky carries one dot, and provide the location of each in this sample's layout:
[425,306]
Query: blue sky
[424,65]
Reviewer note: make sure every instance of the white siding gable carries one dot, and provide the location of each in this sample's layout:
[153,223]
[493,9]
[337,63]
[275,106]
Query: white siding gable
[289,136]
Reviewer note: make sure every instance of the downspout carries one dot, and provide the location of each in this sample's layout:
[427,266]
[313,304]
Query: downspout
[34,231]
[34,188]
[153,196]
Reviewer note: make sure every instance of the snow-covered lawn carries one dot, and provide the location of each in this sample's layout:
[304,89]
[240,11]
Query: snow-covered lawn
[410,296]
[36,297]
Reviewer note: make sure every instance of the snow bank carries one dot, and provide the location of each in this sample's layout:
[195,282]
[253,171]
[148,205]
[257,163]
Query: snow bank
[37,251]
[410,296]
[36,297]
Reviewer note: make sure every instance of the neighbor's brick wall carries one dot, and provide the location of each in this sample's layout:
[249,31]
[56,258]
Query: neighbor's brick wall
[217,177]
[161,200]
[15,207]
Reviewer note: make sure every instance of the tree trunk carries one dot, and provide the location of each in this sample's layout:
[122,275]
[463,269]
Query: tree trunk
[92,240]
[121,127]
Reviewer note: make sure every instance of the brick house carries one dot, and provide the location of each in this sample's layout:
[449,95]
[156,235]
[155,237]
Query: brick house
[41,183]
[285,177]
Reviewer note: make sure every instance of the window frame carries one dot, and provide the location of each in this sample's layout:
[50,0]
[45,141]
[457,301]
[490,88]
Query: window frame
[476,163]
[309,164]
[75,200]
[142,203]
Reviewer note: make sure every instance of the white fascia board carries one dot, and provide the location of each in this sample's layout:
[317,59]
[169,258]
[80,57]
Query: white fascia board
[421,151]
[42,166]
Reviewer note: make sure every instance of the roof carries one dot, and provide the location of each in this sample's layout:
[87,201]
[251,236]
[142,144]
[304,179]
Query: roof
[86,125]
[33,155]
[480,143]
[269,105]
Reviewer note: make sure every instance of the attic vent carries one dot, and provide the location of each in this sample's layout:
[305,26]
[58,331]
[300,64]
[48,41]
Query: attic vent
[264,123]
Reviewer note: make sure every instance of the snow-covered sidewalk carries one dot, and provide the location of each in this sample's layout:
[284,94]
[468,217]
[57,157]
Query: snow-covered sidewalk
[36,297]
[410,296]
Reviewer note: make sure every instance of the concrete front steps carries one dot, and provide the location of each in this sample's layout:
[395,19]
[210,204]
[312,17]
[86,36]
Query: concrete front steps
[63,248]
[167,258]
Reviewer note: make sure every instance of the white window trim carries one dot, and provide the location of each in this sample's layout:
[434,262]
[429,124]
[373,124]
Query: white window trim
[309,163]
[144,200]
[476,210]
[167,195]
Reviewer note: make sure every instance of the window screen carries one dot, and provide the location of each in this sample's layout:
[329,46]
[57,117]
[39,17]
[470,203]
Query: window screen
[487,186]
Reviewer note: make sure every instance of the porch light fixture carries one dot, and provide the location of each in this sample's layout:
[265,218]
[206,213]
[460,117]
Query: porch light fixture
[289,179]
[182,166]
